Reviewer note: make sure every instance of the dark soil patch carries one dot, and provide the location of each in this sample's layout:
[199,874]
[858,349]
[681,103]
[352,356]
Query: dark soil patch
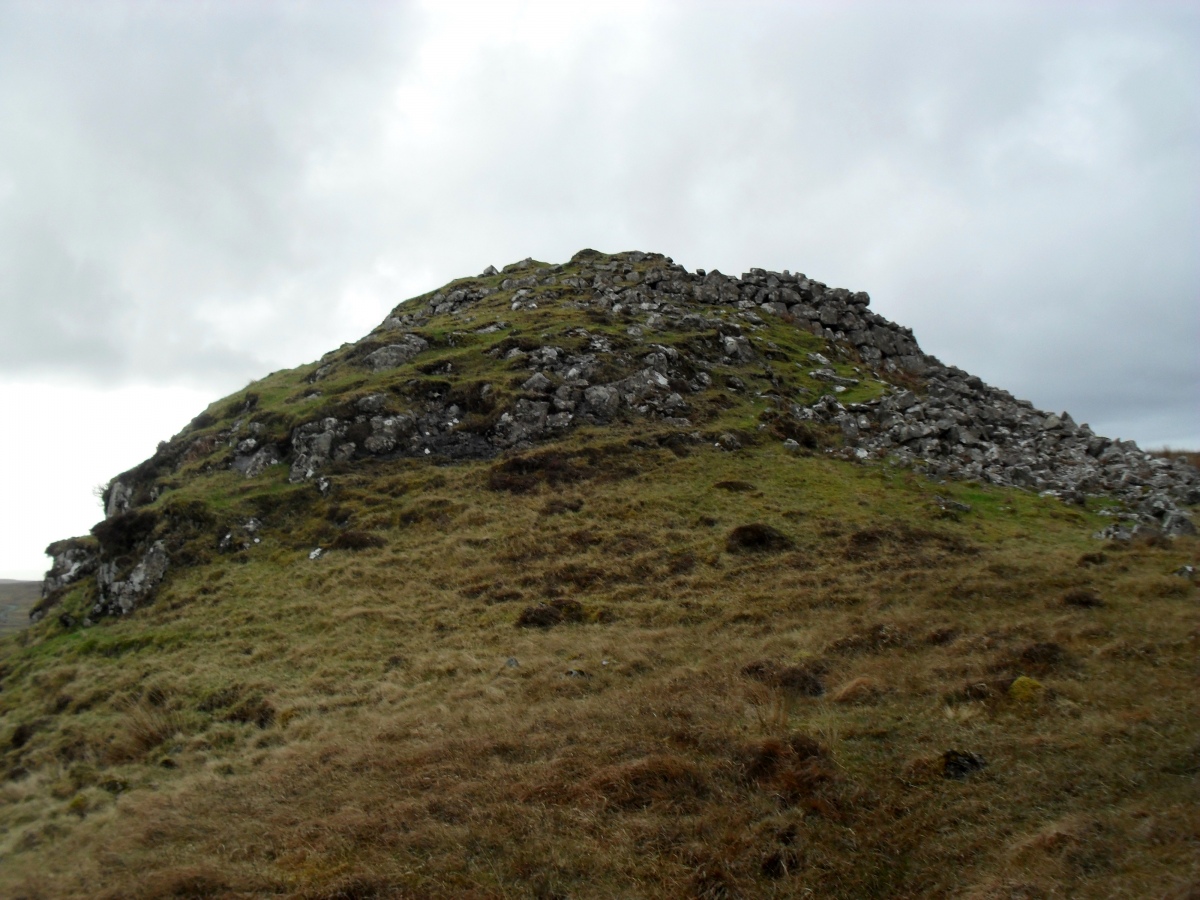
[977,691]
[757,538]
[875,639]
[872,543]
[1083,598]
[547,615]
[735,486]
[356,540]
[1038,658]
[805,679]
[523,474]
[1043,655]
[960,764]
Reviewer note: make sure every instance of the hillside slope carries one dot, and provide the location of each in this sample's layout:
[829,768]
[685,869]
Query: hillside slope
[610,579]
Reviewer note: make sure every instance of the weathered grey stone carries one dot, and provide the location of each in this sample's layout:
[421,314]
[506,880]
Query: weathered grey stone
[603,398]
[120,597]
[71,560]
[372,403]
[538,384]
[396,354]
[255,464]
[737,347]
[119,497]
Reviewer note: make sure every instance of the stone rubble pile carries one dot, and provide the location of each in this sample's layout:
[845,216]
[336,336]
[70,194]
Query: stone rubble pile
[961,428]
[964,429]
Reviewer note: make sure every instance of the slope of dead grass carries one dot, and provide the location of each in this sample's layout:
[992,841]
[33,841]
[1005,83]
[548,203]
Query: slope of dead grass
[708,718]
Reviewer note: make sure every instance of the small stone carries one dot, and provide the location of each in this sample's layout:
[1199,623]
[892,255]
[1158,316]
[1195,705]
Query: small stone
[316,554]
[511,662]
[395,354]
[372,403]
[948,504]
[538,384]
[728,441]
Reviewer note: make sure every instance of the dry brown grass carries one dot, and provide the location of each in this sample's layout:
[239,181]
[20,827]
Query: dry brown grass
[696,721]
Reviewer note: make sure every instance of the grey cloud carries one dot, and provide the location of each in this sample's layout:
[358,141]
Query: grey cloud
[1008,179]
[154,162]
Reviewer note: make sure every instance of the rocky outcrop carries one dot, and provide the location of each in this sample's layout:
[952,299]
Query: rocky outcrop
[121,593]
[948,424]
[668,336]
[71,560]
[119,499]
[396,354]
[965,429]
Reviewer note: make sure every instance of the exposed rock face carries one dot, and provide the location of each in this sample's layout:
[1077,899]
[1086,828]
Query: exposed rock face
[119,596]
[120,497]
[71,560]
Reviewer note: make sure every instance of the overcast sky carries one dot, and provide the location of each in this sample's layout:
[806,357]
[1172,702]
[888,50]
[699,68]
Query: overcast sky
[195,194]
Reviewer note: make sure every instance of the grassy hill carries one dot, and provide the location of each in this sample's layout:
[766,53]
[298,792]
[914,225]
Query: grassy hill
[662,656]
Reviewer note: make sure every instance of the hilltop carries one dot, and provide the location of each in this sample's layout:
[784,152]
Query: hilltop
[610,578]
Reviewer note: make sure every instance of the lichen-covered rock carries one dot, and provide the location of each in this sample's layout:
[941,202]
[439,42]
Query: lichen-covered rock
[119,596]
[396,354]
[253,460]
[71,560]
[119,498]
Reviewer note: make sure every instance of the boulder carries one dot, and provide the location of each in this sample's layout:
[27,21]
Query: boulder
[396,354]
[119,596]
